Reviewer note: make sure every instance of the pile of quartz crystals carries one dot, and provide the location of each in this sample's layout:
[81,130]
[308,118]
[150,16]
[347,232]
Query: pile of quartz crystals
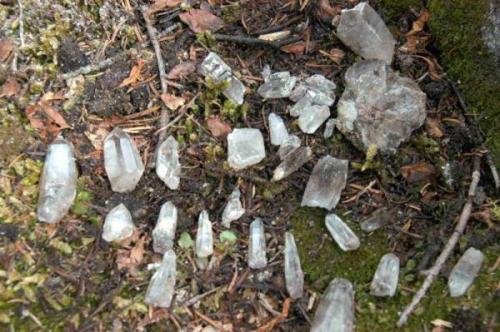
[58,182]
[233,210]
[168,167]
[164,231]
[245,147]
[218,71]
[294,277]
[379,107]
[122,161]
[364,32]
[385,280]
[162,285]
[276,85]
[341,233]
[465,271]
[118,224]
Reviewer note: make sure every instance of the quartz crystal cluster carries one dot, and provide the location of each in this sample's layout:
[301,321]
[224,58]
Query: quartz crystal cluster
[168,167]
[245,147]
[164,231]
[233,210]
[118,224]
[465,271]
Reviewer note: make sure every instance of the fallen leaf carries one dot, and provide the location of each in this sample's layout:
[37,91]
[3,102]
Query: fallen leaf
[295,48]
[217,127]
[421,171]
[200,20]
[131,259]
[162,4]
[432,66]
[325,12]
[45,118]
[335,54]
[433,127]
[9,88]
[135,74]
[172,101]
[96,135]
[6,46]
[419,24]
[182,70]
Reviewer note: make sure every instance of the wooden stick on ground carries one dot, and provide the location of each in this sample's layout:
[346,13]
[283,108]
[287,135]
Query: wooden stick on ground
[459,229]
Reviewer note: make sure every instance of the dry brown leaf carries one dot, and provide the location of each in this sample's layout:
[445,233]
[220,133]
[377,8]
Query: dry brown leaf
[131,259]
[9,88]
[421,171]
[217,127]
[433,127]
[135,74]
[432,66]
[6,46]
[419,24]
[200,20]
[172,101]
[325,11]
[335,54]
[45,118]
[96,136]
[182,70]
[295,48]
[162,4]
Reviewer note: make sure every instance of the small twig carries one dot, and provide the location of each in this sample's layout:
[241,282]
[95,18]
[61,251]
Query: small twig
[198,298]
[459,229]
[256,41]
[210,321]
[278,27]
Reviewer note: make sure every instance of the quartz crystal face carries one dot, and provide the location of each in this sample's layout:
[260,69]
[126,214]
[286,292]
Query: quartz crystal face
[341,233]
[385,280]
[118,224]
[245,148]
[168,167]
[465,271]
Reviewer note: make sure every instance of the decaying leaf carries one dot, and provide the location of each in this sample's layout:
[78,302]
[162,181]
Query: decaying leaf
[433,67]
[335,54]
[96,135]
[6,46]
[295,48]
[200,20]
[45,118]
[9,88]
[419,24]
[135,74]
[433,127]
[325,11]
[172,101]
[217,127]
[418,172]
[162,4]
[131,259]
[182,70]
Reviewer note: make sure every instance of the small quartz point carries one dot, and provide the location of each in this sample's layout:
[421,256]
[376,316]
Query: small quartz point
[168,167]
[326,182]
[162,285]
[214,68]
[122,161]
[245,148]
[377,219]
[233,210]
[341,233]
[290,144]
[311,118]
[465,271]
[204,236]
[257,245]
[385,280]
[58,182]
[164,231]
[335,312]
[364,32]
[317,89]
[294,277]
[329,128]
[277,85]
[118,224]
[292,162]
[277,129]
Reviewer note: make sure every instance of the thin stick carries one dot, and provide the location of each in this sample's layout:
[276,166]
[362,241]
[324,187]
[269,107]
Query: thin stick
[459,229]
[256,41]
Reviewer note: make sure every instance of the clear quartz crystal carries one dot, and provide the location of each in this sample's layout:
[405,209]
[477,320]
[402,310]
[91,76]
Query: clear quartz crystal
[465,271]
[257,245]
[204,236]
[277,85]
[364,32]
[233,210]
[377,219]
[245,148]
[292,162]
[122,161]
[329,128]
[58,182]
[289,145]
[311,118]
[168,167]
[326,183]
[385,280]
[118,224]
[335,312]
[317,89]
[294,277]
[164,231]
[161,288]
[277,129]
[341,233]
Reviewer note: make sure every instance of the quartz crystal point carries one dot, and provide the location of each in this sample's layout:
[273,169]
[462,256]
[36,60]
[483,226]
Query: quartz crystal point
[58,182]
[168,167]
[292,162]
[364,32]
[245,148]
[204,236]
[326,182]
[312,117]
[162,285]
[465,271]
[214,68]
[277,129]
[294,277]
[329,128]
[164,231]
[233,210]
[257,245]
[379,107]
[385,280]
[377,219]
[335,312]
[277,85]
[118,224]
[341,233]
[122,161]
[289,145]
[317,89]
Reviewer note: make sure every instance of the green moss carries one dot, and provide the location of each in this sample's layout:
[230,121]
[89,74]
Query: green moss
[392,9]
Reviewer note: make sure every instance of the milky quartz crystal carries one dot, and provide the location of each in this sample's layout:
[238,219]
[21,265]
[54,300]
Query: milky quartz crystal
[341,233]
[312,117]
[288,145]
[245,148]
[257,245]
[277,85]
[385,280]
[317,89]
[233,210]
[292,162]
[277,129]
[168,167]
[118,224]
[465,271]
[122,161]
[57,182]
[204,236]
[294,277]
[161,288]
[164,231]
[377,219]
[329,128]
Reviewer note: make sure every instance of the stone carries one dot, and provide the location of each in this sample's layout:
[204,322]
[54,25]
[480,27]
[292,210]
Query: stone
[233,210]
[326,182]
[379,107]
[311,118]
[341,233]
[465,271]
[257,245]
[329,128]
[118,224]
[161,288]
[292,162]
[168,167]
[365,33]
[214,68]
[335,312]
[377,219]
[204,236]
[289,145]
[122,161]
[294,277]
[245,148]
[57,182]
[277,129]
[164,231]
[317,88]
[277,85]
[385,280]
